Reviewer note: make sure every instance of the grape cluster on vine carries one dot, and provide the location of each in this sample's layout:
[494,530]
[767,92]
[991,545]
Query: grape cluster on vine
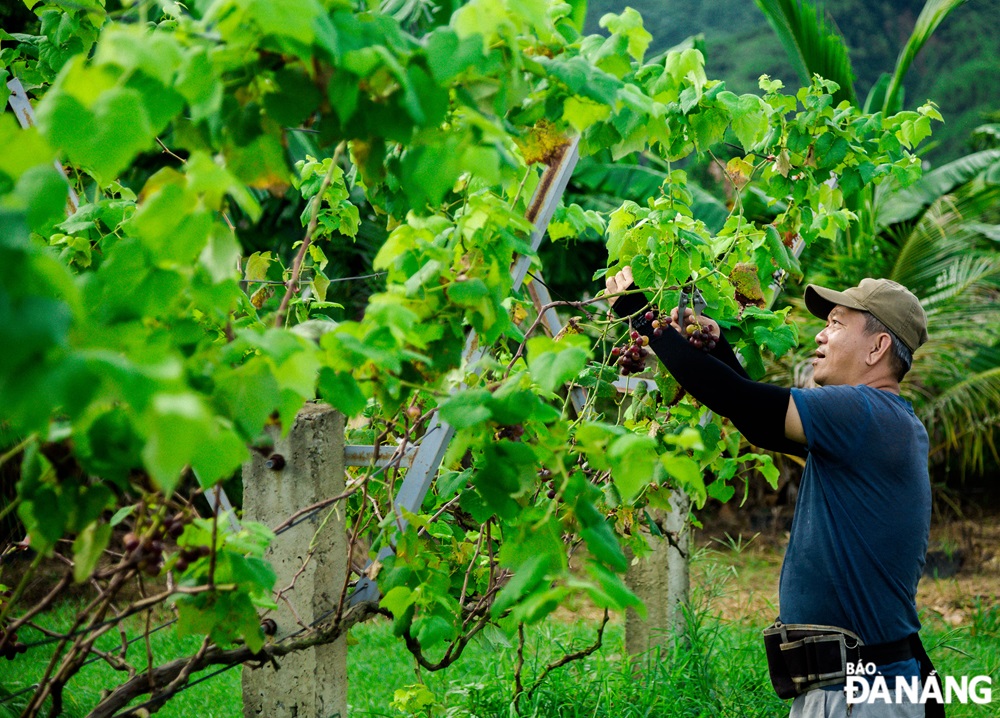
[632,357]
[189,555]
[11,646]
[699,336]
[546,476]
[147,552]
[512,432]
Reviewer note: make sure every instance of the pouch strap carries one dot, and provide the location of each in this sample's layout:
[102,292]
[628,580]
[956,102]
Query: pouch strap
[892,652]
[932,709]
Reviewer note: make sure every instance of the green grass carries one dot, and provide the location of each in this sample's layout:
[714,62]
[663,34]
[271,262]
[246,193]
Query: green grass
[216,698]
[718,672]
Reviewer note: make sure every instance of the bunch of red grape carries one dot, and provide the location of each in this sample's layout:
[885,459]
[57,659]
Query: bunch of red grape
[546,476]
[11,647]
[513,432]
[631,359]
[189,555]
[147,552]
[699,337]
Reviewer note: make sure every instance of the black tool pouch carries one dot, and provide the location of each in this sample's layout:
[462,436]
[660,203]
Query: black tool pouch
[801,657]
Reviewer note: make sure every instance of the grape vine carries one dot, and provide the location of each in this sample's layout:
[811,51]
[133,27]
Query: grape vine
[148,350]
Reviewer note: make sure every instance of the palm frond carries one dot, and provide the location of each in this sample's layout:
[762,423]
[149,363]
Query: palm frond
[986,135]
[934,12]
[876,95]
[965,417]
[814,46]
[947,230]
[990,231]
[962,276]
[901,205]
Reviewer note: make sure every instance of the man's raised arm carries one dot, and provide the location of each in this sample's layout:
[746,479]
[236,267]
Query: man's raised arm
[765,414]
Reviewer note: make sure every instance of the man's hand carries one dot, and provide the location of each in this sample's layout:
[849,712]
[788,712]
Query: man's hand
[709,330]
[618,284]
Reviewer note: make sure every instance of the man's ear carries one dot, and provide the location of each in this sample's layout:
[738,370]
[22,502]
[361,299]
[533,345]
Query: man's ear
[880,348]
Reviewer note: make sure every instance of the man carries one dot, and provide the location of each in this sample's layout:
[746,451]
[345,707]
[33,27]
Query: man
[862,517]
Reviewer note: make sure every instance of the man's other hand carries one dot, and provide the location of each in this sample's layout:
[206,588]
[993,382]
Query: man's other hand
[710,330]
[618,284]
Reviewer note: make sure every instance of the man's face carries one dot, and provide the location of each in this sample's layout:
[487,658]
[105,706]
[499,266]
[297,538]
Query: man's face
[842,348]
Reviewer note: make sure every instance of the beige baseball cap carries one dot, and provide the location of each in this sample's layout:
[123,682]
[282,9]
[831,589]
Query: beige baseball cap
[892,304]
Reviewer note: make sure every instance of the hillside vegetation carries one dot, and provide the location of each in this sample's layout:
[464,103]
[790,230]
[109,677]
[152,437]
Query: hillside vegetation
[957,68]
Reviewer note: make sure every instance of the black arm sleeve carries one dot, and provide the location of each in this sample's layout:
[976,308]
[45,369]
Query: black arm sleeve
[724,352]
[756,409]
[636,305]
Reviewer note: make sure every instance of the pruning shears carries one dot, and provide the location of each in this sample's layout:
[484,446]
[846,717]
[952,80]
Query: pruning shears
[697,302]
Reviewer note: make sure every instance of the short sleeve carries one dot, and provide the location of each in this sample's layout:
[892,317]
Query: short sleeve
[837,420]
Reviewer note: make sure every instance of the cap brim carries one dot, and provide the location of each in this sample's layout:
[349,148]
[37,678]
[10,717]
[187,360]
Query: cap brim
[820,300]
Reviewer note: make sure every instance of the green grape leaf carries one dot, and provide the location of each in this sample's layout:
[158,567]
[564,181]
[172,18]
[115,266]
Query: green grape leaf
[612,592]
[629,24]
[467,408]
[397,600]
[248,393]
[765,465]
[720,491]
[599,536]
[432,630]
[183,433]
[780,340]
[341,391]
[221,255]
[88,547]
[688,474]
[554,363]
[632,459]
[750,117]
[23,149]
[527,577]
[44,193]
[583,79]
[448,55]
[104,135]
[581,113]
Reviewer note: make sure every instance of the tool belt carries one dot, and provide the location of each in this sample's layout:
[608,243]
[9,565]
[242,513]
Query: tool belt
[801,657]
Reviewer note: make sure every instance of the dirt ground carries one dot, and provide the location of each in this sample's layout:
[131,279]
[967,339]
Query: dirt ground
[737,574]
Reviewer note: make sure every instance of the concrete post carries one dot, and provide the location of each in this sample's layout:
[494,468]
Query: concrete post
[661,581]
[312,682]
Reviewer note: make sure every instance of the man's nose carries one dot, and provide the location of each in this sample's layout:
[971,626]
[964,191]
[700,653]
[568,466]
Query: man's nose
[821,337]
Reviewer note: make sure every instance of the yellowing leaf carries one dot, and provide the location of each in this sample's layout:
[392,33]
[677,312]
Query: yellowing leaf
[257,265]
[581,113]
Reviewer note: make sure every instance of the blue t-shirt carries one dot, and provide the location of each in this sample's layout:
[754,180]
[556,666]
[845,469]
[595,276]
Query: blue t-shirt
[862,518]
